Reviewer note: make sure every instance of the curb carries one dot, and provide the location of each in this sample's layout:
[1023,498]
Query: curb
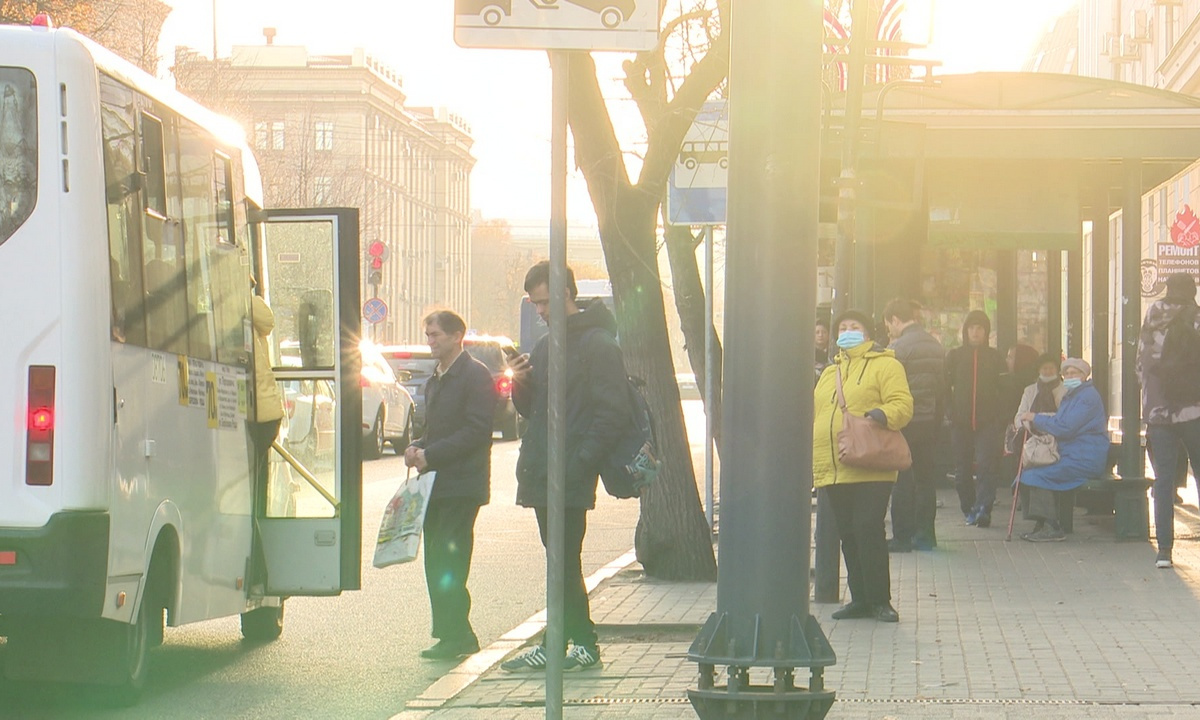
[463,675]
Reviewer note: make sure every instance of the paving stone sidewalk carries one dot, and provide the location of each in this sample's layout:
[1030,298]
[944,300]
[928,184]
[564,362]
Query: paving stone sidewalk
[989,629]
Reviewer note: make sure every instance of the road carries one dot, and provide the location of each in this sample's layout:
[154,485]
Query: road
[353,656]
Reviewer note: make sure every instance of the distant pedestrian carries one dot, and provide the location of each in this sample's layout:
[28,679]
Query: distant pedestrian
[1170,376]
[596,387]
[914,498]
[974,397]
[875,386]
[1080,429]
[460,400]
[821,341]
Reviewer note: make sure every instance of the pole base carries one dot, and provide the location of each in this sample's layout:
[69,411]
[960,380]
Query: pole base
[806,647]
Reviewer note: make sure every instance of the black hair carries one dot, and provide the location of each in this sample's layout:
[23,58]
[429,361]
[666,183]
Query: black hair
[539,274]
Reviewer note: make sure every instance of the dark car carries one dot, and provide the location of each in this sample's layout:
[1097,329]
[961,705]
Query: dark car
[414,366]
[492,351]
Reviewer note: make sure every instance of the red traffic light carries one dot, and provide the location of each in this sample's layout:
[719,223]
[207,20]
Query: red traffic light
[376,263]
[376,249]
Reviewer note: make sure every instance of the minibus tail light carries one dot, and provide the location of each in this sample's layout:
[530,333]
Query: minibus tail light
[39,433]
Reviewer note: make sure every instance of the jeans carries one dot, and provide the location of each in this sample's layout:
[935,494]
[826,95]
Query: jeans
[977,454]
[914,498]
[860,509]
[577,614]
[449,541]
[1167,441]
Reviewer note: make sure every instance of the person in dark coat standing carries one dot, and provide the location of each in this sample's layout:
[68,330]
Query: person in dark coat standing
[914,498]
[460,400]
[1170,402]
[975,399]
[596,414]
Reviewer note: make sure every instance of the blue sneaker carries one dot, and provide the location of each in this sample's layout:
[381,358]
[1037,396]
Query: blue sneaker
[973,516]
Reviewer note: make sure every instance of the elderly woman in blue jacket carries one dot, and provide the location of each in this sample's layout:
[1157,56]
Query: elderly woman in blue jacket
[1081,428]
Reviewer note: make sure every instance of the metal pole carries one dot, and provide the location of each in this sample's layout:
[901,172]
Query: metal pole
[709,380]
[1075,300]
[1006,299]
[1054,302]
[826,583]
[556,493]
[1133,460]
[1100,296]
[762,623]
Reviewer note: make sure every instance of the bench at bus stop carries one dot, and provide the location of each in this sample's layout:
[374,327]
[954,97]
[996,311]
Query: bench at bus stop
[1110,494]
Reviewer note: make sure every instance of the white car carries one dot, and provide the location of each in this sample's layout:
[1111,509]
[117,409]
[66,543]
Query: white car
[387,407]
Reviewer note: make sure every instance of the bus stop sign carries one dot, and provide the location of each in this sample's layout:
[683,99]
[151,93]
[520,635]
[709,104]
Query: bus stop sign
[375,311]
[699,184]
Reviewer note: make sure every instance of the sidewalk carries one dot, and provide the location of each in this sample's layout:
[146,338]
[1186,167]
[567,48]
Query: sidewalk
[1087,628]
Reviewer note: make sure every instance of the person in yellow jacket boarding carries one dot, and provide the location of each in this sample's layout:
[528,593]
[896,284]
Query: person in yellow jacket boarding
[875,386]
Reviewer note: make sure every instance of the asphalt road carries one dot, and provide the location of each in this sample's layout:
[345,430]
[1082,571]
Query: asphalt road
[353,656]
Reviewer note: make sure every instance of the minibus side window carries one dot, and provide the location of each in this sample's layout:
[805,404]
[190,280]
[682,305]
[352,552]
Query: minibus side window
[18,148]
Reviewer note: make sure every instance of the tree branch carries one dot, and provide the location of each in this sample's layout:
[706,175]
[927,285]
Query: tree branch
[597,150]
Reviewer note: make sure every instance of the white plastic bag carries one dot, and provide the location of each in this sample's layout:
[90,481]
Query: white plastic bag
[403,518]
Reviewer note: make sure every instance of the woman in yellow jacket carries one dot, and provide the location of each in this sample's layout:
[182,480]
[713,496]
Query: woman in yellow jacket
[875,386]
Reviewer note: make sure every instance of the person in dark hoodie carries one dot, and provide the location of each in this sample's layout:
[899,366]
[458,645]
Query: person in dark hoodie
[1170,401]
[595,417]
[975,403]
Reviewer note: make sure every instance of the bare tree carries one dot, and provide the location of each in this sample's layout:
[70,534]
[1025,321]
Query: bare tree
[129,28]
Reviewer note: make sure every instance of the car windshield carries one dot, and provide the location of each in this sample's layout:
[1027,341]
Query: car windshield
[418,370]
[488,354]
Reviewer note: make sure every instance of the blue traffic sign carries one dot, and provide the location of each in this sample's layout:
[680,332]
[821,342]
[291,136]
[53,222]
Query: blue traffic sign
[375,311]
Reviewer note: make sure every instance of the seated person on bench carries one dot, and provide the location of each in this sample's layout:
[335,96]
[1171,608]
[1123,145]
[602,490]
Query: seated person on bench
[1080,428]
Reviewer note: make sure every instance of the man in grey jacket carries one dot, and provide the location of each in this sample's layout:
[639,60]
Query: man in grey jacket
[914,501]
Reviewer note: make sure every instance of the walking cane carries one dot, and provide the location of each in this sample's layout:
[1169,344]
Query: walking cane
[1012,513]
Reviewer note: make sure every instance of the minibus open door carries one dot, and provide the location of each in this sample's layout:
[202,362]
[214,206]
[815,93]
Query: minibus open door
[309,516]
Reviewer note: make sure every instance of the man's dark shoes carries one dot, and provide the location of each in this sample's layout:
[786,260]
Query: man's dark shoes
[451,649]
[983,520]
[852,610]
[922,543]
[886,613]
[1046,534]
[896,545]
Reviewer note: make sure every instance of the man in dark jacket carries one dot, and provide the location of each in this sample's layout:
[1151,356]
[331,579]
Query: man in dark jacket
[914,497]
[595,416]
[459,403]
[976,406]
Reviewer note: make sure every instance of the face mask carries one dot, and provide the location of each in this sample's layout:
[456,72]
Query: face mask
[1047,378]
[850,339]
[1072,383]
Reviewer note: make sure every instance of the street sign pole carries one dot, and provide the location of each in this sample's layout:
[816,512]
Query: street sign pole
[762,623]
[710,360]
[556,491]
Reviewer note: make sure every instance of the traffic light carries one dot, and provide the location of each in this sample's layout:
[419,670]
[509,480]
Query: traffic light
[376,253]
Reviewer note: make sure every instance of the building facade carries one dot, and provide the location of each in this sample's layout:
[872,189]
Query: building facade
[336,131]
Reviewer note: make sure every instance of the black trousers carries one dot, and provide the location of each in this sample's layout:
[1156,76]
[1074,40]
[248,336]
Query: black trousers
[577,613]
[977,454]
[860,509]
[914,498]
[449,540]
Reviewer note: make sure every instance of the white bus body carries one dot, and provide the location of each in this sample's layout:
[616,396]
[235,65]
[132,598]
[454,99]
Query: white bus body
[128,231]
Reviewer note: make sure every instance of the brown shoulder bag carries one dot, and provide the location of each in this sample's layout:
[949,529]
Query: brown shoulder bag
[864,443]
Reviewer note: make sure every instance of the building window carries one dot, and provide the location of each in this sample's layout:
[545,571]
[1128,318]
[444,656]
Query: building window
[324,135]
[322,190]
[262,134]
[277,135]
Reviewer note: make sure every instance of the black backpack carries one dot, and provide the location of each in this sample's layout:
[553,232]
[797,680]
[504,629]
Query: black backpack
[1180,362]
[631,465]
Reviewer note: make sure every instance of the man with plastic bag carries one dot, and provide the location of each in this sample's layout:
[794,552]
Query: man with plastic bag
[460,400]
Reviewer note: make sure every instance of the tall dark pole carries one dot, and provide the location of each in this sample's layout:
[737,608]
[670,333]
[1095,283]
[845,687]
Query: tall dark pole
[762,618]
[1054,302]
[1100,295]
[1133,460]
[826,586]
[1075,301]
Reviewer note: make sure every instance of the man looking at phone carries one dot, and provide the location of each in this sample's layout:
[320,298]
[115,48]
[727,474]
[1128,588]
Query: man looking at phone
[595,416]
[459,401]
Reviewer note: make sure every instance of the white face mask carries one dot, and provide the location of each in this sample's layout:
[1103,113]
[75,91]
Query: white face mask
[1047,378]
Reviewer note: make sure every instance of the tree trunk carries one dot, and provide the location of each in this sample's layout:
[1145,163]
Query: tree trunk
[673,541]
[690,302]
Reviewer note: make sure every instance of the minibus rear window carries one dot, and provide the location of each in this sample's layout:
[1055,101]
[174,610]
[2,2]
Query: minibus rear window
[18,148]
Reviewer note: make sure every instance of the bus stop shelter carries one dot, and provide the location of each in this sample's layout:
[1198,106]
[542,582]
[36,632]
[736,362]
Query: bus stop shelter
[1020,161]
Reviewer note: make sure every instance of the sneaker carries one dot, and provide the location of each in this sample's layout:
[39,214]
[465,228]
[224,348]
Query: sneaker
[972,517]
[451,649]
[581,657]
[1046,534]
[924,544]
[1163,561]
[896,545]
[532,659]
[983,520]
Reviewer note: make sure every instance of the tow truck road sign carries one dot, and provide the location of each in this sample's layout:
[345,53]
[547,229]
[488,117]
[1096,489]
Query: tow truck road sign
[620,25]
[375,311]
